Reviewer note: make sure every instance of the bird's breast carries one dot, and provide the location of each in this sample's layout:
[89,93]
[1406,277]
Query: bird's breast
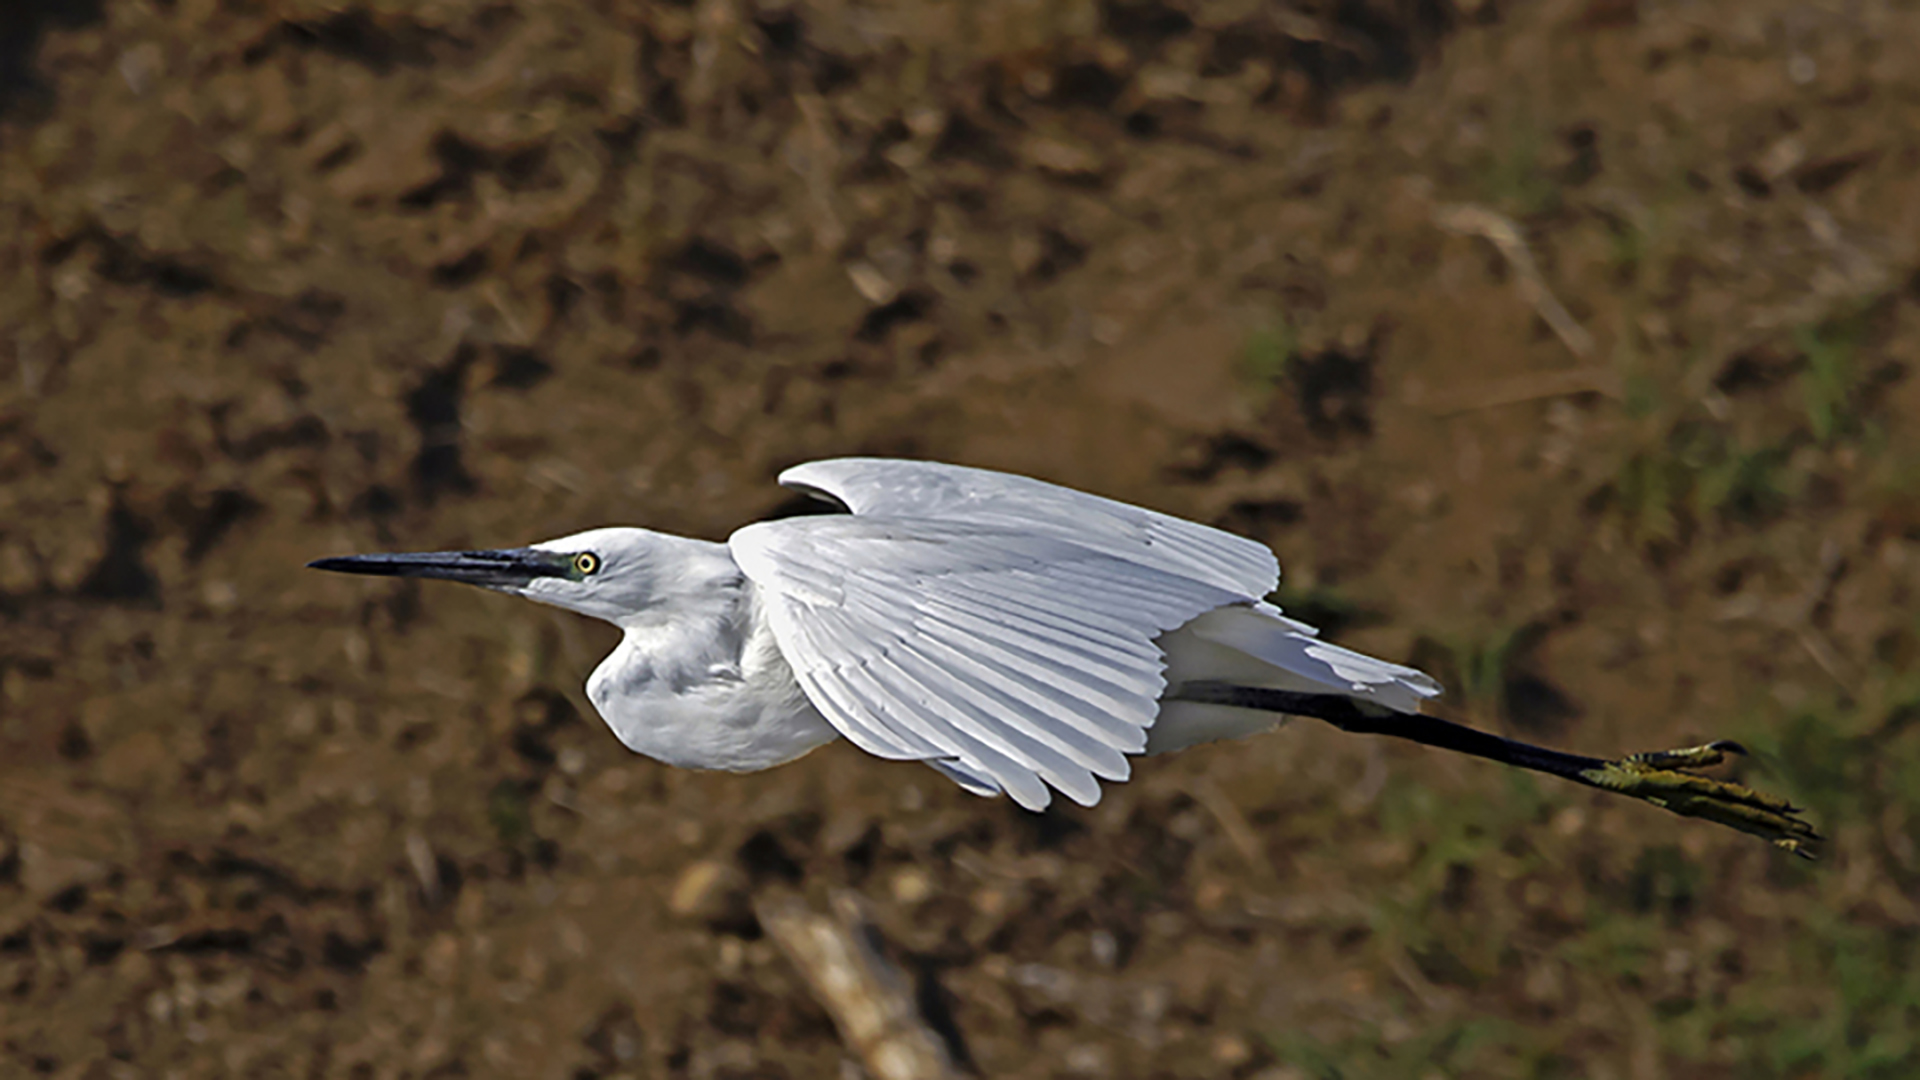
[722,717]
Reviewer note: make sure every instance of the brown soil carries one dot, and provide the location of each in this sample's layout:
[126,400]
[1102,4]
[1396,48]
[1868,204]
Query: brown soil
[296,279]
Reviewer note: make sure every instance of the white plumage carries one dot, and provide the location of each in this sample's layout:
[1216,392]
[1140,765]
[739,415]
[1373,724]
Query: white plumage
[1015,635]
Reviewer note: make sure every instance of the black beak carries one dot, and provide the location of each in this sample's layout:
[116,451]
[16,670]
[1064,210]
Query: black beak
[508,568]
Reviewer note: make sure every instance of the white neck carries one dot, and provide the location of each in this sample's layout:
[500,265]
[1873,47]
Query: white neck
[697,680]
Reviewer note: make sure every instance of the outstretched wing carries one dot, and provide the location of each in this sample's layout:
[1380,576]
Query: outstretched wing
[930,491]
[1011,659]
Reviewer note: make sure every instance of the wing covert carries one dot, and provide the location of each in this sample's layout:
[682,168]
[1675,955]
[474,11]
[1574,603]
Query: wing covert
[1006,658]
[927,490]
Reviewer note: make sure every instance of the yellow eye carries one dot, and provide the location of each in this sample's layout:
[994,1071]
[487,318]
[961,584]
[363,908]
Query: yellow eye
[585,563]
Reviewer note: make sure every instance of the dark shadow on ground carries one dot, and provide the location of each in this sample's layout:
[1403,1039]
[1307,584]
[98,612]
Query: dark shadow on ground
[21,24]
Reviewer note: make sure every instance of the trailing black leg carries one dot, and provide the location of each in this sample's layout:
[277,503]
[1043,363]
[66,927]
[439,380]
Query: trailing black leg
[1659,777]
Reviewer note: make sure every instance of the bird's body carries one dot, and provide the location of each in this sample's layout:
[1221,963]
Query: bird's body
[1017,636]
[702,677]
[727,699]
[704,686]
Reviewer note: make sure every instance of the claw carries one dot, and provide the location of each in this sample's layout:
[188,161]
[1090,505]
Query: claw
[1658,778]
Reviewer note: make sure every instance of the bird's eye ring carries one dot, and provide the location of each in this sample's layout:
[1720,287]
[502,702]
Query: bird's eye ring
[586,563]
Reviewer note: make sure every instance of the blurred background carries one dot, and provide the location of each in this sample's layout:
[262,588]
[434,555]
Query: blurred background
[1562,347]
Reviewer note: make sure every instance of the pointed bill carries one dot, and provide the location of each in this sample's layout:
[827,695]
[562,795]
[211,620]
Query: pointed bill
[508,568]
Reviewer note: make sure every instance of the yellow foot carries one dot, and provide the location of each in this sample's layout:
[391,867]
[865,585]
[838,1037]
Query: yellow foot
[1659,778]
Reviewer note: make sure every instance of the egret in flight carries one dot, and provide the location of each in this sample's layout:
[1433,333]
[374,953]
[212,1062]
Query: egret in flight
[1019,637]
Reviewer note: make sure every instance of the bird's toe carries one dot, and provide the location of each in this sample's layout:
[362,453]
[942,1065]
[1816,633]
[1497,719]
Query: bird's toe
[1661,778]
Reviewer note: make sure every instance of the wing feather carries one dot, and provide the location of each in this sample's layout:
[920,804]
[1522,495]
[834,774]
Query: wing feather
[978,688]
[1261,632]
[970,778]
[889,706]
[1091,708]
[844,701]
[1115,683]
[1099,645]
[1009,658]
[967,716]
[931,491]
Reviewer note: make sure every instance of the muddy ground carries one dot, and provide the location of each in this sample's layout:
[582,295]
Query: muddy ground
[284,280]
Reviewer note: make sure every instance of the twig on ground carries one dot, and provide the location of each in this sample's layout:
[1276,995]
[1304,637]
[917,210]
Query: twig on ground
[1234,824]
[870,1000]
[1503,234]
[1515,389]
[815,158]
[1800,614]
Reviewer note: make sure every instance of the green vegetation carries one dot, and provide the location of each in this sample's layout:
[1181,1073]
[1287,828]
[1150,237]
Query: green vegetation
[1831,381]
[510,812]
[1492,891]
[1687,468]
[1700,472]
[1515,176]
[1593,914]
[1628,250]
[1459,1048]
[1327,607]
[1477,665]
[1266,358]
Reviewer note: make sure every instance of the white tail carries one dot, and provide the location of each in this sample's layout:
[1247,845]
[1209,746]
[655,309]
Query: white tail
[1258,646]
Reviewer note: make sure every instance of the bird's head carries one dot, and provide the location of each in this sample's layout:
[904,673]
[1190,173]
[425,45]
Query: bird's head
[616,574]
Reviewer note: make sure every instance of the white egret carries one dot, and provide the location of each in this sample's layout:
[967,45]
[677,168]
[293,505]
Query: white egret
[1018,636]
